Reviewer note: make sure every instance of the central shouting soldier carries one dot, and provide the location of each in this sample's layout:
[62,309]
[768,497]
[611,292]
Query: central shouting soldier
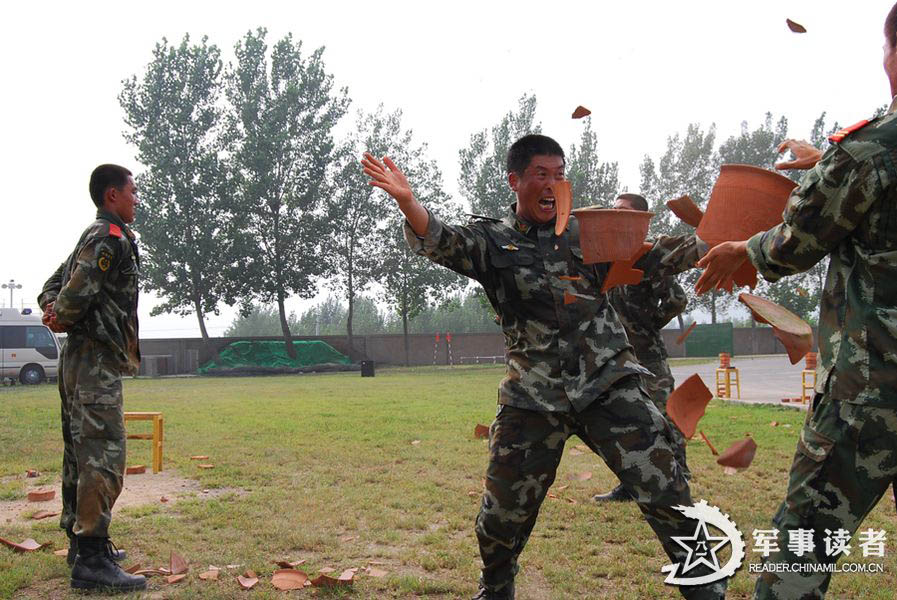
[570,367]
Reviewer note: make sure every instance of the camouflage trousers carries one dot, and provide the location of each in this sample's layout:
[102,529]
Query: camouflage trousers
[659,390]
[93,434]
[846,458]
[525,447]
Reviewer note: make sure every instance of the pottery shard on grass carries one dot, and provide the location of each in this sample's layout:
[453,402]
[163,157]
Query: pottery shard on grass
[289,579]
[580,112]
[177,564]
[41,495]
[622,273]
[687,403]
[687,211]
[44,514]
[481,431]
[794,333]
[247,583]
[607,234]
[686,333]
[135,470]
[28,545]
[563,203]
[210,575]
[739,455]
[345,578]
[175,578]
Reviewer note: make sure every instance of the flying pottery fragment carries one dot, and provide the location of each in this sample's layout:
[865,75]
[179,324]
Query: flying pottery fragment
[288,579]
[745,200]
[608,234]
[580,112]
[481,431]
[563,202]
[621,272]
[28,545]
[135,470]
[686,333]
[44,514]
[175,578]
[41,495]
[794,333]
[687,403]
[247,583]
[713,450]
[795,27]
[739,455]
[687,211]
[177,564]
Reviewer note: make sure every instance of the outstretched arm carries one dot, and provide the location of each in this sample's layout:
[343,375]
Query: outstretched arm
[388,177]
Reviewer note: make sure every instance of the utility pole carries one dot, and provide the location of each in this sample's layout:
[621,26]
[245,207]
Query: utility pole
[12,285]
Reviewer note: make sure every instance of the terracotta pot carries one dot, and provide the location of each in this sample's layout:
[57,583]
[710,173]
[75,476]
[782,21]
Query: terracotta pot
[745,200]
[622,273]
[739,455]
[687,211]
[687,403]
[607,234]
[794,333]
[725,361]
[811,361]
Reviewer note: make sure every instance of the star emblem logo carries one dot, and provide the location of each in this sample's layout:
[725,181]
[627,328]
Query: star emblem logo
[702,548]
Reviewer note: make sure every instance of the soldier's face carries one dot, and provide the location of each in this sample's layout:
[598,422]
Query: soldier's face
[535,188]
[624,204]
[123,202]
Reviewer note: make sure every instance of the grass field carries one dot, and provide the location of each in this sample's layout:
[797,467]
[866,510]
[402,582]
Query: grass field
[324,468]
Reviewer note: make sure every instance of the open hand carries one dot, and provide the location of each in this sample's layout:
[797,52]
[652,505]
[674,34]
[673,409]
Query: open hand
[387,176]
[719,264]
[805,155]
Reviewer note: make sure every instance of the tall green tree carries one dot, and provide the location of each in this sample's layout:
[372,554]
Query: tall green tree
[284,111]
[593,182]
[173,113]
[258,321]
[483,180]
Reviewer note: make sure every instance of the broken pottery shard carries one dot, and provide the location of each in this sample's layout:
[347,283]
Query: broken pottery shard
[199,457]
[621,272]
[763,192]
[608,234]
[211,575]
[41,495]
[247,583]
[712,449]
[795,27]
[686,333]
[347,576]
[63,552]
[177,564]
[739,455]
[327,581]
[151,572]
[687,211]
[687,403]
[163,499]
[580,112]
[415,442]
[473,494]
[289,579]
[43,514]
[794,333]
[28,545]
[32,473]
[287,564]
[135,470]
[249,573]
[568,298]
[175,578]
[133,569]
[326,570]
[481,431]
[206,466]
[774,424]
[563,202]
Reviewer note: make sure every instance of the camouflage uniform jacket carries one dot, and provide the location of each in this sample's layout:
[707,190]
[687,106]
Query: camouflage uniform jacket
[95,291]
[559,356]
[846,208]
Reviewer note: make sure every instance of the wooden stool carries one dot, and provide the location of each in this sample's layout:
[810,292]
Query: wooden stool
[807,388]
[155,436]
[724,382]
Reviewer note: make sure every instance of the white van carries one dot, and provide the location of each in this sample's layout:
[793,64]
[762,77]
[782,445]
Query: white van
[29,352]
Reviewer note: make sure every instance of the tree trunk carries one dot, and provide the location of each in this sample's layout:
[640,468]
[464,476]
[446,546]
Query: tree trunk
[681,322]
[713,307]
[202,322]
[285,326]
[351,293]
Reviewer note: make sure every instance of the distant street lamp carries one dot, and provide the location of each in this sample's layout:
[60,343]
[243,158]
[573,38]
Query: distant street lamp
[12,285]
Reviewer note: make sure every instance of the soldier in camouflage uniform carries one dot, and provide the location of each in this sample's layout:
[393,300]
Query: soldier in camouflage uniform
[846,209]
[644,309]
[93,297]
[570,369]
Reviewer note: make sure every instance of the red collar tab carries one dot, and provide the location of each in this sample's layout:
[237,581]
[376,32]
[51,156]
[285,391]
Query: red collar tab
[114,230]
[839,135]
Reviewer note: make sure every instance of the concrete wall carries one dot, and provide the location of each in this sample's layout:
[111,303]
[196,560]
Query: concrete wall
[172,356]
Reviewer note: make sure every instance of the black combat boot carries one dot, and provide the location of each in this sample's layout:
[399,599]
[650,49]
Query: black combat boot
[117,555]
[618,494]
[505,593]
[94,568]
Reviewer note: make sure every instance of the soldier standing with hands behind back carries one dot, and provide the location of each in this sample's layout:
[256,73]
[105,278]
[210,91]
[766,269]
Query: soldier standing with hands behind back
[93,297]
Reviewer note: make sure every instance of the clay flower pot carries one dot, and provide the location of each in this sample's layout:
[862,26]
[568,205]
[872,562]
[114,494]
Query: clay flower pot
[563,202]
[745,200]
[811,361]
[607,234]
[687,403]
[794,333]
[687,211]
[739,455]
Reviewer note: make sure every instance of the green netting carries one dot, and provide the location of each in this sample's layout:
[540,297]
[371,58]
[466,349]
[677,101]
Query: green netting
[273,355]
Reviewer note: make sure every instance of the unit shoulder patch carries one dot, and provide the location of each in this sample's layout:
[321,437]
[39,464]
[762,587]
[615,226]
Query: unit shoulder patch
[839,135]
[114,230]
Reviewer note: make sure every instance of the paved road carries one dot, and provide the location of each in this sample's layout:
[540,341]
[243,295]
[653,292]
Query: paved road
[764,379]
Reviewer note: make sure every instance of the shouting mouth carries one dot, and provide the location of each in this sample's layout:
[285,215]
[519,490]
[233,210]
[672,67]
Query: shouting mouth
[547,204]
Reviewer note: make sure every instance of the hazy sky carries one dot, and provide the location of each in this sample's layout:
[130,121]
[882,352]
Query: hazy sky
[646,69]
